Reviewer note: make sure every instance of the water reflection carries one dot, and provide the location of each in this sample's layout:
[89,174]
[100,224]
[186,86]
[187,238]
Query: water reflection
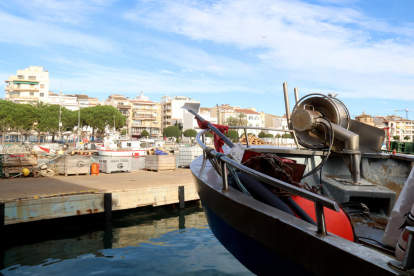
[147,243]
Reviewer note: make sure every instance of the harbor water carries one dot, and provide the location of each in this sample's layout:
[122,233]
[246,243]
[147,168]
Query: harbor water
[144,241]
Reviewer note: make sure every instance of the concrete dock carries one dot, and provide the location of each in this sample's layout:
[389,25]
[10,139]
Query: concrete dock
[31,199]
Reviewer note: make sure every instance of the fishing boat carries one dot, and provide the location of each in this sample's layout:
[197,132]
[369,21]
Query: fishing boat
[326,207]
[129,148]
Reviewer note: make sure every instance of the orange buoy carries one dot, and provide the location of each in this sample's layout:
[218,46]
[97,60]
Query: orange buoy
[337,223]
[95,169]
[394,152]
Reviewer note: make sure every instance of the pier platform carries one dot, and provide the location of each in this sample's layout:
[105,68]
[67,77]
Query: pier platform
[32,199]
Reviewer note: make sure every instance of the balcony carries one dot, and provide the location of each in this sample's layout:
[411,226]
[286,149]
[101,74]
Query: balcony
[120,106]
[144,118]
[17,79]
[15,88]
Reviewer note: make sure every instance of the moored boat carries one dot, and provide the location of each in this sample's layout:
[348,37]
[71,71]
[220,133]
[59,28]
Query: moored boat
[252,207]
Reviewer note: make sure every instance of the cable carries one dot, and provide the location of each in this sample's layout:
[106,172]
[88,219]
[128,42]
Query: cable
[331,134]
[379,243]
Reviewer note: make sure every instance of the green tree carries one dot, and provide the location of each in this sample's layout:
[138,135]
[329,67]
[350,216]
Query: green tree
[40,104]
[278,135]
[262,134]
[269,135]
[144,133]
[233,135]
[287,135]
[396,137]
[407,137]
[49,120]
[171,131]
[179,125]
[209,134]
[231,121]
[241,119]
[101,116]
[190,133]
[123,132]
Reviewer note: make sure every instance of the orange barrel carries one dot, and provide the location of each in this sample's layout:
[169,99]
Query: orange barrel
[95,169]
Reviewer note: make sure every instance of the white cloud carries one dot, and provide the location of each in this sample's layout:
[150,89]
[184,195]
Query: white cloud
[46,35]
[100,81]
[167,72]
[320,46]
[73,12]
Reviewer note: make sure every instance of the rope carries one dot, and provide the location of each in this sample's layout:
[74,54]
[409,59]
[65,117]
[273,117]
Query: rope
[234,174]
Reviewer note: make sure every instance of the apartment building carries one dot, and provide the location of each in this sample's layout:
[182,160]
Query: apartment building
[146,115]
[28,86]
[68,101]
[225,111]
[171,111]
[397,126]
[122,104]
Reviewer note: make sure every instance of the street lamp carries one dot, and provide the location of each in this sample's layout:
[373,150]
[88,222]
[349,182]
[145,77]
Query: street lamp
[60,115]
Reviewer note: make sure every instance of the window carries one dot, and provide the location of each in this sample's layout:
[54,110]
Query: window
[32,77]
[250,125]
[31,93]
[20,77]
[18,85]
[257,118]
[32,86]
[42,86]
[257,124]
[365,120]
[250,117]
[42,94]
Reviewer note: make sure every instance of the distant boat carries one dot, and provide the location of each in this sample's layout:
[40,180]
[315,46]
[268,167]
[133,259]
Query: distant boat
[126,148]
[122,152]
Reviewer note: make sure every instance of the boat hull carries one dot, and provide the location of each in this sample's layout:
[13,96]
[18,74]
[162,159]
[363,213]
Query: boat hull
[270,242]
[122,153]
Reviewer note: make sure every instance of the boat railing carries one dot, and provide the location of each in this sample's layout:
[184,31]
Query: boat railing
[319,200]
[245,128]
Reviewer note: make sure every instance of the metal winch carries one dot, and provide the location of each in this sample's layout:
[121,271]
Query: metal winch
[320,121]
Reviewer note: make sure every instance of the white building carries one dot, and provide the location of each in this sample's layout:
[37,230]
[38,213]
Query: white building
[68,101]
[29,85]
[189,122]
[171,110]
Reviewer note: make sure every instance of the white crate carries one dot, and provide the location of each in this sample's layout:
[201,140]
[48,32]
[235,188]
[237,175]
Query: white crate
[188,154]
[115,164]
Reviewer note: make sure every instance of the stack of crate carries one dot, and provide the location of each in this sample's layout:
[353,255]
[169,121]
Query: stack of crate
[15,165]
[252,140]
[188,154]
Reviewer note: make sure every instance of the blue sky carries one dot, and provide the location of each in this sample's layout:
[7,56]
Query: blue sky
[235,51]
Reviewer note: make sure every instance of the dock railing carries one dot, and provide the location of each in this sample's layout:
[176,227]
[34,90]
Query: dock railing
[319,201]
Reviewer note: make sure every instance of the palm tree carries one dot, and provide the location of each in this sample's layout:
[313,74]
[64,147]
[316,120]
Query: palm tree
[40,104]
[241,119]
[231,121]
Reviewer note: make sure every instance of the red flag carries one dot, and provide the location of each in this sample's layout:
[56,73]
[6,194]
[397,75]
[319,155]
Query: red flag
[218,142]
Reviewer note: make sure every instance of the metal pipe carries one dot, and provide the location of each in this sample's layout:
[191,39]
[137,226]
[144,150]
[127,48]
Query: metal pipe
[355,170]
[224,176]
[286,94]
[351,140]
[320,218]
[408,261]
[296,94]
[247,140]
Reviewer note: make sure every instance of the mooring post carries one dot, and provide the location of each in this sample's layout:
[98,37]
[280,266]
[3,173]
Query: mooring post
[108,206]
[181,197]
